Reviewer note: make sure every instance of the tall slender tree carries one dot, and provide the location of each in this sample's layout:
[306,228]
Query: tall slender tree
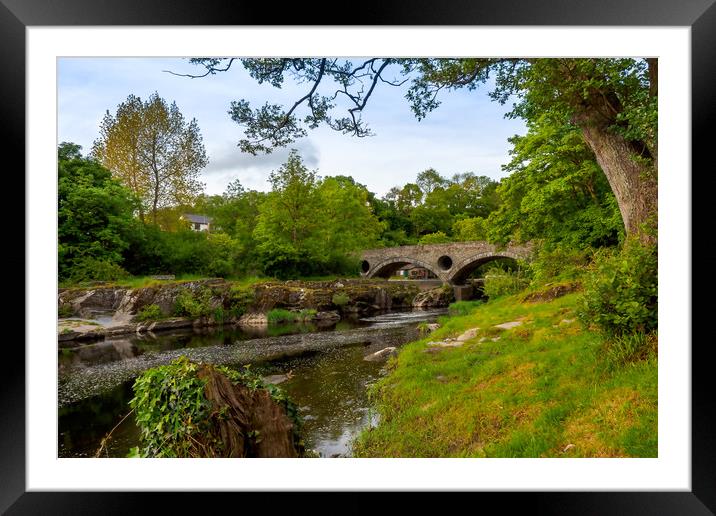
[151,149]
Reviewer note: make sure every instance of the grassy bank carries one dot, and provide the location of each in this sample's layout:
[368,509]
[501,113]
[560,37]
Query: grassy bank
[548,387]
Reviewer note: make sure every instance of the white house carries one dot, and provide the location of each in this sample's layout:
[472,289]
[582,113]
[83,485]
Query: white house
[198,222]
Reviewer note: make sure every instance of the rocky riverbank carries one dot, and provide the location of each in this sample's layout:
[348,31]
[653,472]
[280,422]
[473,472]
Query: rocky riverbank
[96,313]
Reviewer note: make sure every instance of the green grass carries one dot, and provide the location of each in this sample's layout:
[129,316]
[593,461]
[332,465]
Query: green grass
[279,315]
[463,307]
[542,386]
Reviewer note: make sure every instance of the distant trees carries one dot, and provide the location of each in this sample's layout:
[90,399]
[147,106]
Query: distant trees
[153,151]
[308,225]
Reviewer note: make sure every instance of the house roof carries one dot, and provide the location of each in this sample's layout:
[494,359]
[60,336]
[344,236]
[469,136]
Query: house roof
[197,219]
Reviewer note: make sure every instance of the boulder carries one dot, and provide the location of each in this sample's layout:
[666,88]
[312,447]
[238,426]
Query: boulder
[434,298]
[253,319]
[508,325]
[469,334]
[380,355]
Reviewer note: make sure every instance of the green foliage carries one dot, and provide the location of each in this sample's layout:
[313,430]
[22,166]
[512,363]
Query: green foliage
[474,228]
[194,304]
[65,310]
[170,408]
[94,218]
[560,263]
[556,191]
[620,294]
[88,268]
[340,299]
[501,283]
[280,315]
[307,314]
[173,414]
[307,226]
[240,299]
[149,313]
[460,308]
[434,238]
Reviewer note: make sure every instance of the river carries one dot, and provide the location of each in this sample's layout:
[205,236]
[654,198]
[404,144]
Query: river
[322,369]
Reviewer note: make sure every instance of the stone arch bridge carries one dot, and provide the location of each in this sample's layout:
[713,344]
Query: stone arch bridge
[452,263]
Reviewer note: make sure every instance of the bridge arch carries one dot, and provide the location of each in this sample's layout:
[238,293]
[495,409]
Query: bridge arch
[387,267]
[462,270]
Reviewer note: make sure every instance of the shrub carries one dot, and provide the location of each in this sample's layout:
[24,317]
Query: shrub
[65,310]
[89,268]
[240,299]
[189,304]
[620,293]
[279,315]
[306,314]
[340,299]
[502,283]
[149,313]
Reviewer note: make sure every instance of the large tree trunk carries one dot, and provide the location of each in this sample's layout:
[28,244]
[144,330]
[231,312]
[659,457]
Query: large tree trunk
[632,180]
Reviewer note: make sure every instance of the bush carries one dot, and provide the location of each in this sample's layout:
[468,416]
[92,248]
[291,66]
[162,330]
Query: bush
[65,310]
[149,313]
[340,299]
[89,268]
[306,314]
[240,299]
[620,293]
[189,304]
[502,283]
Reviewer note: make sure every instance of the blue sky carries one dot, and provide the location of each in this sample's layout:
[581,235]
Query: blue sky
[468,132]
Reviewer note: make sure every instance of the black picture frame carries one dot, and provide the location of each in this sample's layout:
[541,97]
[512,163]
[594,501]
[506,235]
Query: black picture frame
[700,15]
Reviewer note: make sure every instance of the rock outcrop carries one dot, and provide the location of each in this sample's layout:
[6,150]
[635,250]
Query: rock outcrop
[434,298]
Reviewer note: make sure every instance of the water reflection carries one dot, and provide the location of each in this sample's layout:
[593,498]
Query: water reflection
[328,376]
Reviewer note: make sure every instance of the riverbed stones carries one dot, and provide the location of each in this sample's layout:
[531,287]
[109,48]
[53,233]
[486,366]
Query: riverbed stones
[380,355]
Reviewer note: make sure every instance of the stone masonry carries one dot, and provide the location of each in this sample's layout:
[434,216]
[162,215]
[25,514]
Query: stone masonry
[451,262]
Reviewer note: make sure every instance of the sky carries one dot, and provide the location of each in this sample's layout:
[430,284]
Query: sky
[466,133]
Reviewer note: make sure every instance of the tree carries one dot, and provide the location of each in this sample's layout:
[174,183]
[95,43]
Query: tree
[308,225]
[428,180]
[613,103]
[94,218]
[556,191]
[288,218]
[151,149]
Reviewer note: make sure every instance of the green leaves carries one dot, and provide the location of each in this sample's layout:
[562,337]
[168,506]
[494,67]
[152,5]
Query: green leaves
[621,294]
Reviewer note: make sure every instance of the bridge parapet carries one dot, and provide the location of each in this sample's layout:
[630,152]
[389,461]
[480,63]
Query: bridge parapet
[451,262]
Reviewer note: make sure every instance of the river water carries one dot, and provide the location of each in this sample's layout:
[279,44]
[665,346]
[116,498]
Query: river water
[322,369]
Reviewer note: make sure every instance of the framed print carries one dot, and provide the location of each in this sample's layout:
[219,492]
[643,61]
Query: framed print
[42,39]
